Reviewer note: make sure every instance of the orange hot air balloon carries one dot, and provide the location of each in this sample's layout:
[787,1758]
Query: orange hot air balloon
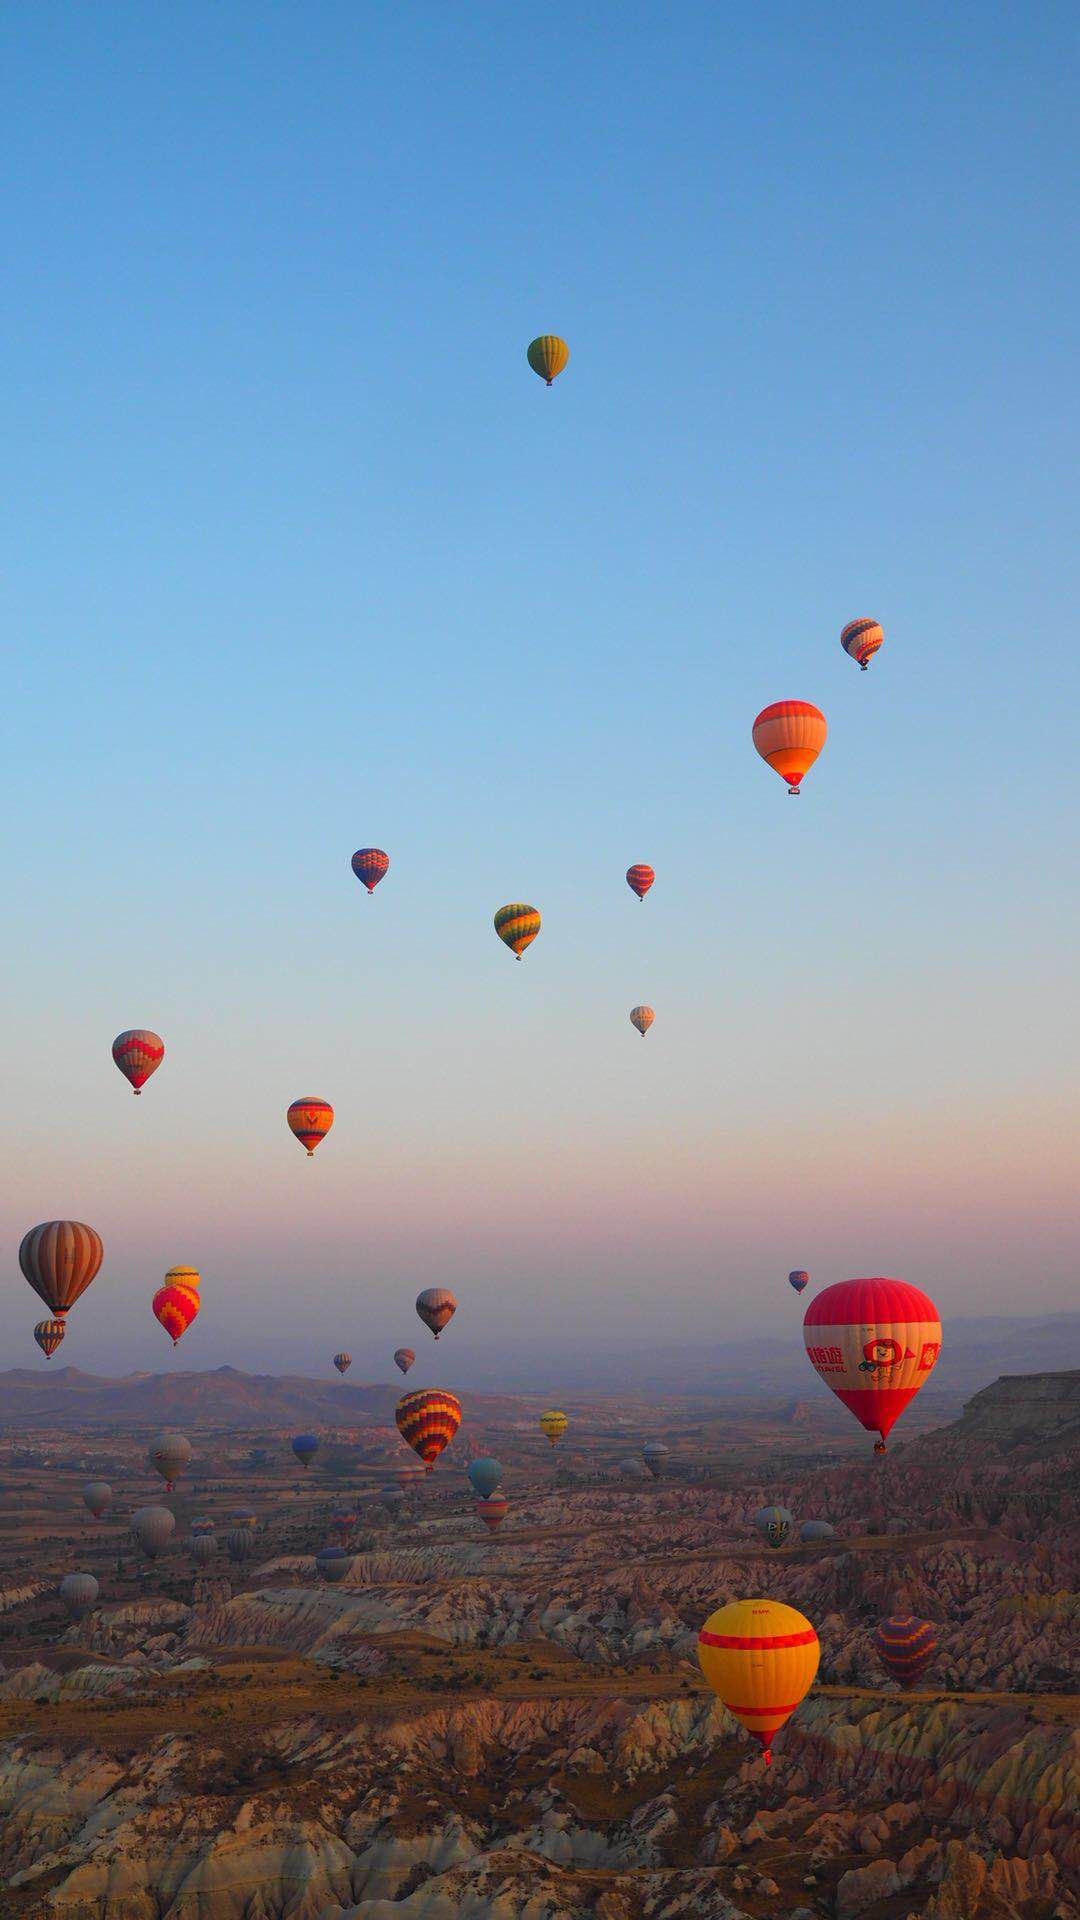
[789,735]
[175,1306]
[138,1053]
[60,1258]
[48,1334]
[310,1120]
[639,879]
[642,1018]
[547,355]
[517,926]
[874,1343]
[493,1510]
[861,639]
[759,1657]
[427,1421]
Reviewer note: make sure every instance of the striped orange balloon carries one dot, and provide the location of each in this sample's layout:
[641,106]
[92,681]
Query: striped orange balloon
[905,1646]
[861,639]
[517,926]
[789,735]
[138,1053]
[310,1120]
[759,1657]
[427,1421]
[547,355]
[642,1018]
[48,1334]
[370,865]
[640,878]
[60,1258]
[174,1308]
[493,1510]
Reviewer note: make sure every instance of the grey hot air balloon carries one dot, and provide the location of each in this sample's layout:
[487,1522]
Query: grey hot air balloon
[655,1456]
[79,1592]
[774,1524]
[169,1454]
[333,1564]
[241,1544]
[632,1468]
[153,1529]
[404,1358]
[816,1530]
[203,1547]
[97,1497]
[436,1307]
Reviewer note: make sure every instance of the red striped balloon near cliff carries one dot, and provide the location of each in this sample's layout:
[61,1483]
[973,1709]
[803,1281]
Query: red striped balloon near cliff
[427,1421]
[874,1342]
[138,1053]
[759,1657]
[310,1120]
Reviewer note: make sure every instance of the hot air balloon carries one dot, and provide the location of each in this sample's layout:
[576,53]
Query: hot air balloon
[177,1301]
[547,355]
[759,1657]
[655,1454]
[436,1307]
[392,1497]
[427,1421]
[138,1053]
[789,735]
[410,1478]
[48,1334]
[632,1468]
[404,1358]
[169,1455]
[370,865]
[816,1530]
[554,1425]
[861,639]
[305,1446]
[60,1258]
[153,1529]
[905,1646]
[203,1548]
[639,879]
[244,1517]
[798,1279]
[332,1564]
[79,1592]
[341,1525]
[642,1018]
[774,1524]
[202,1525]
[493,1510]
[874,1342]
[310,1120]
[97,1497]
[485,1475]
[240,1544]
[517,926]
[343,1361]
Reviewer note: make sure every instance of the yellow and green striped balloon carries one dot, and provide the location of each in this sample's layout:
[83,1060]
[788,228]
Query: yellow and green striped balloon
[517,926]
[547,355]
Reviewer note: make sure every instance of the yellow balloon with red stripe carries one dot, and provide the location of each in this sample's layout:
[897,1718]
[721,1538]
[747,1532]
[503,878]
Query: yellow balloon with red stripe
[310,1120]
[759,1657]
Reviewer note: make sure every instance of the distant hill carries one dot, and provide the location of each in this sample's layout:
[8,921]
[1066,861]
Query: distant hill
[1027,1415]
[225,1398]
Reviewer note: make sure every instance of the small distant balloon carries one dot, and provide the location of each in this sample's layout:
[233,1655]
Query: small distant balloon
[861,639]
[333,1564]
[774,1524]
[436,1307]
[639,879]
[798,1279]
[370,865]
[517,926]
[404,1358]
[547,355]
[305,1446]
[493,1510]
[48,1334]
[553,1425]
[97,1497]
[203,1547]
[485,1475]
[642,1018]
[138,1053]
[169,1454]
[789,735]
[79,1592]
[153,1529]
[655,1454]
[310,1120]
[243,1517]
[240,1544]
[906,1647]
[816,1530]
[632,1468]
[343,1361]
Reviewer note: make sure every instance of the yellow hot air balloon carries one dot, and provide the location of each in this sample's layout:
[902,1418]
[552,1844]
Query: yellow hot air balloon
[182,1277]
[517,926]
[642,1018]
[554,1425]
[547,355]
[759,1657]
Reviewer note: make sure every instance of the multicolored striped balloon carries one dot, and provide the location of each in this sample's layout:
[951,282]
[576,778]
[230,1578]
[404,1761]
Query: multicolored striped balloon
[639,879]
[48,1334]
[789,735]
[60,1258]
[554,1425]
[493,1510]
[861,639]
[759,1657]
[436,1307]
[404,1358]
[517,926]
[874,1342]
[370,865]
[343,1361]
[798,1278]
[174,1307]
[547,355]
[427,1421]
[905,1646]
[642,1018]
[310,1120]
[138,1053]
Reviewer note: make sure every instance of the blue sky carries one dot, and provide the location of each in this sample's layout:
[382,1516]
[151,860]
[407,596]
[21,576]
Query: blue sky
[300,556]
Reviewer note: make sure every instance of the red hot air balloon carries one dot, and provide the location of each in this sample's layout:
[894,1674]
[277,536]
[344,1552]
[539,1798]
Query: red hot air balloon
[905,1646]
[639,879]
[310,1120]
[174,1306]
[427,1421]
[874,1342]
[60,1258]
[789,735]
[138,1053]
[799,1279]
[493,1510]
[404,1358]
[370,865]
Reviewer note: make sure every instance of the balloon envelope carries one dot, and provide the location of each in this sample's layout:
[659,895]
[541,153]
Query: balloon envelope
[553,1423]
[485,1475]
[816,1530]
[861,639]
[169,1454]
[874,1342]
[427,1421]
[905,1646]
[79,1592]
[310,1120]
[639,879]
[203,1547]
[436,1307]
[343,1361]
[759,1657]
[654,1454]
[642,1018]
[404,1358]
[97,1497]
[240,1544]
[153,1529]
[493,1510]
[370,865]
[48,1334]
[774,1524]
[333,1563]
[60,1259]
[547,355]
[174,1308]
[798,1279]
[305,1446]
[789,735]
[138,1053]
[517,926]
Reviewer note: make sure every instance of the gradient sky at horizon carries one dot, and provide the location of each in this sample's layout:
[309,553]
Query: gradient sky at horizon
[300,557]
